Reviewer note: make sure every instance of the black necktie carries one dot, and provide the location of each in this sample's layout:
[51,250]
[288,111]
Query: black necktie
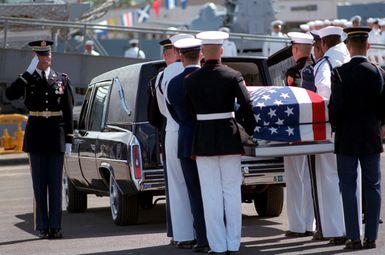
[43,76]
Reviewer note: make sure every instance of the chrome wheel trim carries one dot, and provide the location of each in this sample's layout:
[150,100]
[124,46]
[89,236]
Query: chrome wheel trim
[114,196]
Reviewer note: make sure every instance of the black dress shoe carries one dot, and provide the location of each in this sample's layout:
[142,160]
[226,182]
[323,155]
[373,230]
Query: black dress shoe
[43,234]
[369,244]
[55,234]
[185,244]
[339,240]
[217,253]
[292,234]
[173,242]
[233,253]
[353,244]
[200,248]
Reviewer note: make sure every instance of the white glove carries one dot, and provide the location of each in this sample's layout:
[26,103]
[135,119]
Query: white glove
[68,149]
[32,66]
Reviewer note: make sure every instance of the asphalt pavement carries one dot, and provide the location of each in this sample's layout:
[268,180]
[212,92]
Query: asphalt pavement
[93,231]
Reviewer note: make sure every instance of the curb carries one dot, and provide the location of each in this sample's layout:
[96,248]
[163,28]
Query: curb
[15,159]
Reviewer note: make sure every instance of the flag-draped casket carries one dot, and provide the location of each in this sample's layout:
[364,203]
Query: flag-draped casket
[290,114]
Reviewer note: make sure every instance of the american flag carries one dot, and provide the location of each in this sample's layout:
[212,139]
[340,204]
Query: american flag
[290,114]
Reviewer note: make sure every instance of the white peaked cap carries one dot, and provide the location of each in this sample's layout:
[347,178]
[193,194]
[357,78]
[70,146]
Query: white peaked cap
[330,30]
[89,42]
[187,43]
[318,22]
[327,22]
[133,41]
[381,22]
[276,22]
[178,37]
[301,38]
[304,27]
[212,37]
[370,20]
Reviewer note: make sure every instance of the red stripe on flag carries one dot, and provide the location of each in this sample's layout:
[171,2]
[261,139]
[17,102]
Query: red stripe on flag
[319,121]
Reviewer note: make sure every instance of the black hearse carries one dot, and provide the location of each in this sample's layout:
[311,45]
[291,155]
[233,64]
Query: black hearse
[117,153]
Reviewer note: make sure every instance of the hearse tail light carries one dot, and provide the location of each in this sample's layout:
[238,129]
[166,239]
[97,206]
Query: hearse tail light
[136,162]
[136,159]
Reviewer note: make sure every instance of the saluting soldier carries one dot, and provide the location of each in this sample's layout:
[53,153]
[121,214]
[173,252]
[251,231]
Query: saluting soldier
[212,91]
[357,112]
[48,133]
[300,210]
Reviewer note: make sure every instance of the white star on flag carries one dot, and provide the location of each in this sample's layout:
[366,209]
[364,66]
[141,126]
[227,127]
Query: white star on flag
[273,130]
[284,95]
[278,102]
[265,97]
[266,123]
[260,105]
[290,131]
[257,117]
[279,122]
[289,111]
[256,129]
[272,113]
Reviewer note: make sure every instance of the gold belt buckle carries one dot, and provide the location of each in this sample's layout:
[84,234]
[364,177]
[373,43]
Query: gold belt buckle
[46,114]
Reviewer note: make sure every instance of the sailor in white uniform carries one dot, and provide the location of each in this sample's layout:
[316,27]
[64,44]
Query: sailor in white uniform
[300,210]
[330,201]
[269,48]
[180,210]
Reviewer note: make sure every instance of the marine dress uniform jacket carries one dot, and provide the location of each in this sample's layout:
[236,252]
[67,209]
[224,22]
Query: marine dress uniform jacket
[220,136]
[45,134]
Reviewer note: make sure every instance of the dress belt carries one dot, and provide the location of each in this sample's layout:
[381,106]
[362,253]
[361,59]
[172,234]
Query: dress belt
[45,114]
[216,116]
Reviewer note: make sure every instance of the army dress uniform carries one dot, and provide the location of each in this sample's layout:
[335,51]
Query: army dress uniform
[357,112]
[49,100]
[211,92]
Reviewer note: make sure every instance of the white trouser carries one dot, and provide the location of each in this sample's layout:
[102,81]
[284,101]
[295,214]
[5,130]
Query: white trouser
[300,210]
[221,178]
[180,210]
[329,196]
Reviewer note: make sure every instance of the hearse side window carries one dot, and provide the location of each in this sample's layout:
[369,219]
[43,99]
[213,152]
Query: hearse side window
[98,106]
[83,113]
[118,109]
[249,71]
[278,71]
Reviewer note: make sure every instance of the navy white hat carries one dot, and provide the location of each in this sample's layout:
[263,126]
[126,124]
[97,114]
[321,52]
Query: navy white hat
[188,44]
[178,37]
[133,41]
[89,42]
[315,35]
[300,38]
[356,18]
[330,30]
[276,23]
[41,47]
[212,37]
